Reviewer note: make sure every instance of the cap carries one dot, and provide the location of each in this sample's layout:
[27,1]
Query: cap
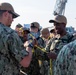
[19,25]
[8,7]
[59,19]
[35,25]
[45,31]
[26,29]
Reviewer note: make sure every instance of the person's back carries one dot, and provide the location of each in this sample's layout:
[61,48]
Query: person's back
[19,30]
[66,60]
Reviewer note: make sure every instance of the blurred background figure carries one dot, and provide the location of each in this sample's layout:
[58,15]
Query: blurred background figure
[34,35]
[45,64]
[34,30]
[18,29]
[25,34]
[70,29]
[52,32]
[45,34]
[38,51]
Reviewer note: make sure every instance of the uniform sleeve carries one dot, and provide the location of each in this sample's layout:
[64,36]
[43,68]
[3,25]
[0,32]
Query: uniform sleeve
[16,48]
[40,51]
[48,46]
[60,61]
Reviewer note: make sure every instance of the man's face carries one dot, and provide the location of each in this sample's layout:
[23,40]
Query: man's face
[9,19]
[25,35]
[19,31]
[46,35]
[34,29]
[59,27]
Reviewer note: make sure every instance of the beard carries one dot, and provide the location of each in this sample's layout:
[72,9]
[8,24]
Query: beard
[9,25]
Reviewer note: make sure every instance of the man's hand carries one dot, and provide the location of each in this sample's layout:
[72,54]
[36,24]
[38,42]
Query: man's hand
[26,43]
[25,62]
[52,55]
[35,42]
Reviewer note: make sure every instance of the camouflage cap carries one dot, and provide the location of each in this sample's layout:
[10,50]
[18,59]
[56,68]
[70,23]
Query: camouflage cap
[8,7]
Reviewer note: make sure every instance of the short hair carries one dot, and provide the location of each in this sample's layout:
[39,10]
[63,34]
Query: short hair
[51,31]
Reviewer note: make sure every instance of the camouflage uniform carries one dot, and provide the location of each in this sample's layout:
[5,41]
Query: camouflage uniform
[45,66]
[66,60]
[56,44]
[11,51]
[34,68]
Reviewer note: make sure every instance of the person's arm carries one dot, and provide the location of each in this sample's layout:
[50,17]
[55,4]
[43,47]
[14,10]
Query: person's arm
[18,51]
[27,59]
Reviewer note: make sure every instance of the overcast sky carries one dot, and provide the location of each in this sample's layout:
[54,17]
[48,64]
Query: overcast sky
[40,11]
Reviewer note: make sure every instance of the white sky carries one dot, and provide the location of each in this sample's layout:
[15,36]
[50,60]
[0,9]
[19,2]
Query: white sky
[40,11]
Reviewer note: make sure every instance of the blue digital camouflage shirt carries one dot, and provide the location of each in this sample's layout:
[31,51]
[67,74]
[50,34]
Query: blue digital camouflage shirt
[66,60]
[11,51]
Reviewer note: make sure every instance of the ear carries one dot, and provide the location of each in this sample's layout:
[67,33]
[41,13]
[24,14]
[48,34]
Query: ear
[64,25]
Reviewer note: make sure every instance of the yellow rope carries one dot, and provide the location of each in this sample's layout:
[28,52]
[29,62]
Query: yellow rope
[41,49]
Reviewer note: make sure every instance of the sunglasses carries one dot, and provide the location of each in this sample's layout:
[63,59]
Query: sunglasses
[8,12]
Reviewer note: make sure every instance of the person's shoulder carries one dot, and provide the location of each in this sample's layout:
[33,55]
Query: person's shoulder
[72,44]
[69,37]
[68,48]
[10,32]
[6,30]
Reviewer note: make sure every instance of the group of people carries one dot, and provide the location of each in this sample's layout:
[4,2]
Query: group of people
[35,51]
